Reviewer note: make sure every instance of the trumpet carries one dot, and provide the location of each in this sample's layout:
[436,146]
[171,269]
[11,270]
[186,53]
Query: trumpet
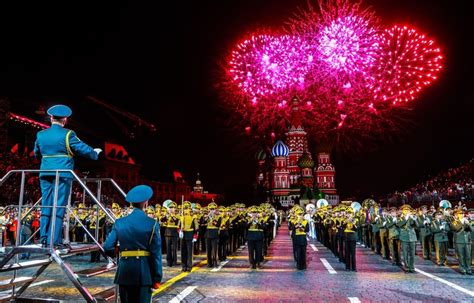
[299,225]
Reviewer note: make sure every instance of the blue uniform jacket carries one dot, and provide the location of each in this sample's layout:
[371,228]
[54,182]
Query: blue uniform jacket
[56,146]
[136,231]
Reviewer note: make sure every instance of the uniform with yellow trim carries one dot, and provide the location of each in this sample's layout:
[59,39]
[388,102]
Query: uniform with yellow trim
[56,147]
[140,265]
[223,233]
[189,227]
[255,238]
[212,235]
[350,237]
[300,228]
[171,234]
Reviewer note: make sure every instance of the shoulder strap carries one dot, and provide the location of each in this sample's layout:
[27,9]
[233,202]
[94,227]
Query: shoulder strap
[68,146]
[152,233]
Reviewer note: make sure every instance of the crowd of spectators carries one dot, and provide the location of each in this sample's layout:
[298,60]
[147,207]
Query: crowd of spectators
[10,189]
[454,185]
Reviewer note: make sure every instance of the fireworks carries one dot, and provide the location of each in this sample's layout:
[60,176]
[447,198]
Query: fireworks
[264,65]
[406,62]
[350,75]
[343,47]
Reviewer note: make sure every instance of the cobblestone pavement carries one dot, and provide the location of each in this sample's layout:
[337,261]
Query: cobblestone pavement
[375,281]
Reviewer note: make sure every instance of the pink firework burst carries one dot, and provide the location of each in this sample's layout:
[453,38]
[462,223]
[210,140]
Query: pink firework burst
[265,65]
[343,35]
[406,62]
[347,44]
[341,67]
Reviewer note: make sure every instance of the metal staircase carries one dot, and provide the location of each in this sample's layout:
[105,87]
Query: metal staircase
[11,260]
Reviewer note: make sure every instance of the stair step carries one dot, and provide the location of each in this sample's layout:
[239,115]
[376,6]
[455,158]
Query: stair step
[91,272]
[105,295]
[26,264]
[8,283]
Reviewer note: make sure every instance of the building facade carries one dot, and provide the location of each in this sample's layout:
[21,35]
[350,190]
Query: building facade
[290,175]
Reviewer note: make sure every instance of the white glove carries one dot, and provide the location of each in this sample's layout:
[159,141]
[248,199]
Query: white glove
[395,220]
[464,221]
[384,223]
[181,234]
[426,222]
[194,240]
[98,150]
[406,217]
[441,227]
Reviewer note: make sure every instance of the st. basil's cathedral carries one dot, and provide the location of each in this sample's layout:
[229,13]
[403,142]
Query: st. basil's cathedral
[291,175]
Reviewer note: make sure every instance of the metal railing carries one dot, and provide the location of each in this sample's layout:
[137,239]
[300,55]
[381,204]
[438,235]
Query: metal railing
[87,192]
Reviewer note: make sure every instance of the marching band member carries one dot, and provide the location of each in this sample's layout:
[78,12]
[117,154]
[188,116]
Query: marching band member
[223,233]
[462,229]
[213,222]
[255,238]
[200,234]
[189,228]
[424,223]
[301,228]
[171,234]
[439,229]
[383,232]
[407,224]
[350,237]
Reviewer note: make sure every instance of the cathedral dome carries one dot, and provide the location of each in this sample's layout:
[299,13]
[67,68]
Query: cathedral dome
[280,149]
[305,161]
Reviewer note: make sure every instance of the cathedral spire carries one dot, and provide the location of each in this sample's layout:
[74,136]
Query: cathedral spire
[295,119]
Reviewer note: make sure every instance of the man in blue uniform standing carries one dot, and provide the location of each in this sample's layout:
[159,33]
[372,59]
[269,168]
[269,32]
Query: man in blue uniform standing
[140,265]
[56,146]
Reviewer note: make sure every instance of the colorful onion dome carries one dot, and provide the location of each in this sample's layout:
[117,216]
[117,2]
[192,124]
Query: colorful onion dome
[305,161]
[280,149]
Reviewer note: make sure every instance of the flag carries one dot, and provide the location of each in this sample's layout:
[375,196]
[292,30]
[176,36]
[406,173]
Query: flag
[177,176]
[14,149]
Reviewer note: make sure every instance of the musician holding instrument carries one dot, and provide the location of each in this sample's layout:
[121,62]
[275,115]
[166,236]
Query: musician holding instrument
[462,229]
[424,223]
[188,233]
[439,229]
[301,228]
[212,234]
[255,238]
[407,225]
[350,236]
[393,236]
[471,222]
[383,231]
[171,234]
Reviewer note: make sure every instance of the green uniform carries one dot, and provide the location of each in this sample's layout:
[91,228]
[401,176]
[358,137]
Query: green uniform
[472,245]
[374,227]
[463,243]
[393,239]
[408,240]
[439,229]
[424,223]
[383,232]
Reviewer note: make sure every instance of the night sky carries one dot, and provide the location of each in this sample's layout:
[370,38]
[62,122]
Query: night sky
[161,62]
